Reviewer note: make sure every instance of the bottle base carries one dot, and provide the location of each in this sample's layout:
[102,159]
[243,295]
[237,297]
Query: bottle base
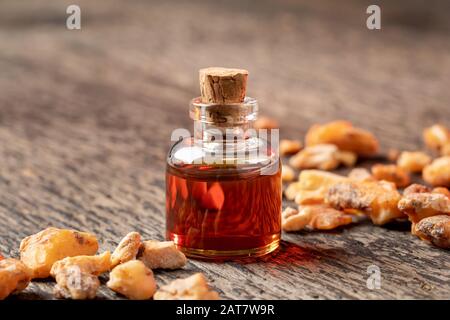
[208,254]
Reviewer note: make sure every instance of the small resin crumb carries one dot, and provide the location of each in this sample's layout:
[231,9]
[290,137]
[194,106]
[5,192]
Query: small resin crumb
[345,136]
[41,250]
[287,174]
[133,280]
[14,276]
[435,230]
[161,255]
[415,188]
[391,173]
[393,154]
[323,157]
[77,277]
[288,147]
[316,217]
[413,161]
[377,199]
[194,287]
[436,136]
[360,174]
[75,283]
[424,204]
[312,186]
[438,172]
[92,264]
[127,249]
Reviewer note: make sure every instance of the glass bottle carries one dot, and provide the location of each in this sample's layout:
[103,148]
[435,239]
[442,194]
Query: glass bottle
[223,185]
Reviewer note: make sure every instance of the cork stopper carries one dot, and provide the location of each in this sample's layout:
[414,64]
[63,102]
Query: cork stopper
[223,85]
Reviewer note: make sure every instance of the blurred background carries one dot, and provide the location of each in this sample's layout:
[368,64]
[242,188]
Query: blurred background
[110,94]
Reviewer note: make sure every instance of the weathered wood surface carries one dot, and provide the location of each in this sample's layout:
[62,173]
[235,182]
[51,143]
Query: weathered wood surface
[86,116]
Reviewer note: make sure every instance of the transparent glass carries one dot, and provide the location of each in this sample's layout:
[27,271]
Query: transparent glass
[223,185]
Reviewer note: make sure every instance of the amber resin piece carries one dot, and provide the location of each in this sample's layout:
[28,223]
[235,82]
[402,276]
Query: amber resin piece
[421,205]
[415,188]
[435,230]
[312,186]
[438,172]
[378,199]
[127,249]
[345,136]
[316,217]
[266,123]
[75,283]
[327,218]
[436,136]
[323,157]
[14,277]
[91,264]
[133,280]
[420,188]
[442,190]
[413,161]
[287,174]
[223,85]
[77,277]
[291,191]
[161,255]
[347,158]
[292,220]
[360,174]
[194,287]
[41,250]
[391,173]
[393,155]
[288,147]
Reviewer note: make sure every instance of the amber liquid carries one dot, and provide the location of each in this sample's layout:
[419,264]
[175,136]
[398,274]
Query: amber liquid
[223,212]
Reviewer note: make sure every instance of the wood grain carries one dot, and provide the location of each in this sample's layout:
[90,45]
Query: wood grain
[86,116]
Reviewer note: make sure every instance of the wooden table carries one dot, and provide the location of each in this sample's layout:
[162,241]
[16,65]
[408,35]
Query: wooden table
[86,116]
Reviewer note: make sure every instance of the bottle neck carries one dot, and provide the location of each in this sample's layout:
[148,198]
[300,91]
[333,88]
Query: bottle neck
[205,132]
[222,122]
